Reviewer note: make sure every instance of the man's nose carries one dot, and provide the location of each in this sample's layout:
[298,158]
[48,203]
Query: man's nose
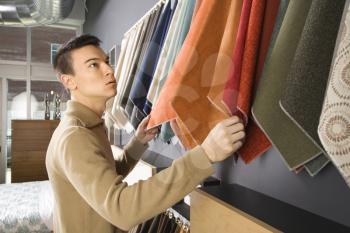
[108,70]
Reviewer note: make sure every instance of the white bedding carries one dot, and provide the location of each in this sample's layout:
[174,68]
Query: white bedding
[26,207]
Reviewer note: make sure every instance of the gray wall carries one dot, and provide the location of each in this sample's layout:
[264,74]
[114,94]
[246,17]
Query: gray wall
[326,194]
[110,19]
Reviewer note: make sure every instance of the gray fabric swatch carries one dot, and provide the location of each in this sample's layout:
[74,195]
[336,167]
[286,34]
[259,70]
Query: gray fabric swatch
[294,146]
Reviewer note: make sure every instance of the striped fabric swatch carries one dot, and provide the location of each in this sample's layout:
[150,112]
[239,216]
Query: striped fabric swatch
[142,46]
[117,74]
[129,106]
[126,64]
[134,45]
[143,77]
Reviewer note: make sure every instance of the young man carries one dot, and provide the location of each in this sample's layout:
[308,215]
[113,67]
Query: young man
[87,182]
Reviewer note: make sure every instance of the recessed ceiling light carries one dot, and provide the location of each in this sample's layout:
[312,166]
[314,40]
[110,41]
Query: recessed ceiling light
[6,8]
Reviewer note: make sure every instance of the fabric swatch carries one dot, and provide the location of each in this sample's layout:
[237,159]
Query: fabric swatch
[147,31]
[294,147]
[143,78]
[262,16]
[334,126]
[228,99]
[129,106]
[230,43]
[189,82]
[180,22]
[126,66]
[307,79]
[178,30]
[117,74]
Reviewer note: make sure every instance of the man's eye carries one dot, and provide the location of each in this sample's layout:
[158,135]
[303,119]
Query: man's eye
[93,65]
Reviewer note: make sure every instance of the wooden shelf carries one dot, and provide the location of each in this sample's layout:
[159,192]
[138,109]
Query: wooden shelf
[234,208]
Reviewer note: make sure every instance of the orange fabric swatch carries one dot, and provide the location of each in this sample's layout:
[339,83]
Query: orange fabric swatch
[196,8]
[224,60]
[184,95]
[181,132]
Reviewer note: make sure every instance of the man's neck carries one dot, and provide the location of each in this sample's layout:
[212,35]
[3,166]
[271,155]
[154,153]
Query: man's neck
[97,106]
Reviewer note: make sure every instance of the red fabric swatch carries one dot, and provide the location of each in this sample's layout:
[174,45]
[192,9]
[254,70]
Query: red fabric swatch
[263,16]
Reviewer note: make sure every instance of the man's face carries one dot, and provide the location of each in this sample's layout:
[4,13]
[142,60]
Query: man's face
[93,75]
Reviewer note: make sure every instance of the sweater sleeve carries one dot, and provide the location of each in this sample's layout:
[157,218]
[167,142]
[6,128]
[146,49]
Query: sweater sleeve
[96,180]
[131,155]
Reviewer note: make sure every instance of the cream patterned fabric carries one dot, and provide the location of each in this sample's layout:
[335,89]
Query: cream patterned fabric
[334,126]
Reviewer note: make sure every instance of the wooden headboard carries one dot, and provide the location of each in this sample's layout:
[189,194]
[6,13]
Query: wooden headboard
[30,139]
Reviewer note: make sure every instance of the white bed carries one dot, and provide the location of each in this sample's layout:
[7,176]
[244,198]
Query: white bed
[26,207]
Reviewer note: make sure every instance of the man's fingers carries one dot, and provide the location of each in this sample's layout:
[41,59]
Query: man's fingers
[235,128]
[239,136]
[237,145]
[145,121]
[153,131]
[231,121]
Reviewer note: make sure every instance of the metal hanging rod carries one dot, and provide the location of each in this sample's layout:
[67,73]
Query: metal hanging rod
[154,8]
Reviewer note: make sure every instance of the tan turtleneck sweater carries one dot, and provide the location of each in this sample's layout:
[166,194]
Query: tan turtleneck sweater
[89,193]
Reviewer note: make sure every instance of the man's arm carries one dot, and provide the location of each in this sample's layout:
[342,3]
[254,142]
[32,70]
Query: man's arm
[135,148]
[130,155]
[96,180]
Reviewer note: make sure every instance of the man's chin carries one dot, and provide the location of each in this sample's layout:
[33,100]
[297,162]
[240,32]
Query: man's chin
[112,95]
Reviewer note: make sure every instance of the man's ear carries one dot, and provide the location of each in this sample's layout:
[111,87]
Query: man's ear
[68,81]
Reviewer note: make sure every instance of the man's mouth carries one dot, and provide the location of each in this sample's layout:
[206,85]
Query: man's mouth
[111,82]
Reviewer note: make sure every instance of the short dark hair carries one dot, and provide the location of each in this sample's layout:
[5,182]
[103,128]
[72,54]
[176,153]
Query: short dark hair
[63,62]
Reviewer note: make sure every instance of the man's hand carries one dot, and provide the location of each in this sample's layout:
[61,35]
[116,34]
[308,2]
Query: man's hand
[143,135]
[224,139]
